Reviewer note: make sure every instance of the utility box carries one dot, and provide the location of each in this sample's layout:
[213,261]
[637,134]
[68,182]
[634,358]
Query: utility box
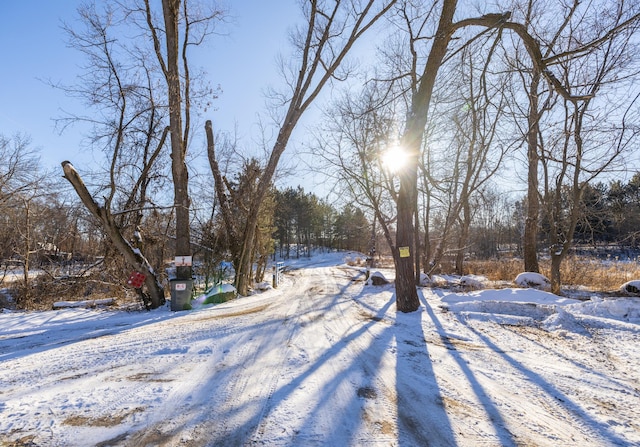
[181,294]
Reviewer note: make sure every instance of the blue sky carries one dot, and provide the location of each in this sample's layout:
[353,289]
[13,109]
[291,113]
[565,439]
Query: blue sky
[34,51]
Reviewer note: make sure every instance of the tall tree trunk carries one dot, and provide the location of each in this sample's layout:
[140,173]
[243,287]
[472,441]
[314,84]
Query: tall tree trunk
[406,294]
[243,274]
[465,225]
[530,243]
[556,261]
[171,10]
[416,242]
[427,234]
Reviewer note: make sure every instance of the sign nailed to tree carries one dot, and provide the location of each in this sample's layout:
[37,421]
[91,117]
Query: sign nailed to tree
[136,280]
[404,252]
[183,261]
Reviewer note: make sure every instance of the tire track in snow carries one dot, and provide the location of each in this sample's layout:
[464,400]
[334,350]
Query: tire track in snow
[377,391]
[240,401]
[548,415]
[127,367]
[273,382]
[332,369]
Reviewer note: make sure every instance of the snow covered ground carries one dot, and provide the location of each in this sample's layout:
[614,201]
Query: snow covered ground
[326,360]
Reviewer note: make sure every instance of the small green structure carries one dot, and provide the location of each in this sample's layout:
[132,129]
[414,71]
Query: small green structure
[219,294]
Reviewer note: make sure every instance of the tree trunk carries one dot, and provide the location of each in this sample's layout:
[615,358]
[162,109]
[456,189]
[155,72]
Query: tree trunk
[416,242]
[406,294]
[464,234]
[243,274]
[530,243]
[556,261]
[171,9]
[27,248]
[131,256]
[427,234]
[419,114]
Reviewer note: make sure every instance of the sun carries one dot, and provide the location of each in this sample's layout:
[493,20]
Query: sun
[394,159]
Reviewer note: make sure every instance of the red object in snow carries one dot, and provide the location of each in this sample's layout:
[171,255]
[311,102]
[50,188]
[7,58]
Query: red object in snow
[136,280]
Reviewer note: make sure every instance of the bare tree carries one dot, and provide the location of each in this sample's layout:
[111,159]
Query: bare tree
[179,104]
[352,144]
[540,100]
[184,27]
[332,28]
[422,87]
[120,83]
[19,163]
[123,83]
[568,35]
[470,121]
[21,187]
[594,133]
[133,256]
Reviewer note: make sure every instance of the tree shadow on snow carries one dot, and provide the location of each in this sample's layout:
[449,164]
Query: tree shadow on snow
[50,334]
[504,435]
[422,418]
[341,426]
[559,397]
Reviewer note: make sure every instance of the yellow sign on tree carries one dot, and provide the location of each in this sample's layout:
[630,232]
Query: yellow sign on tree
[404,252]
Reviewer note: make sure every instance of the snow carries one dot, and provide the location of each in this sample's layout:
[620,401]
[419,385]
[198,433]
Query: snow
[326,360]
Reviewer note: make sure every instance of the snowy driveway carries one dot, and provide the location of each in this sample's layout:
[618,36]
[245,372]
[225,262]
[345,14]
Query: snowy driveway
[325,360]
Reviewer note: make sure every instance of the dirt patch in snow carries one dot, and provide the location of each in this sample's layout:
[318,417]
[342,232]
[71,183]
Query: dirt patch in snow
[102,421]
[26,441]
[147,377]
[251,310]
[367,392]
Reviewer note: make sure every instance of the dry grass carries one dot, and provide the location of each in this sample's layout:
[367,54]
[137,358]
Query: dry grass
[594,274]
[576,272]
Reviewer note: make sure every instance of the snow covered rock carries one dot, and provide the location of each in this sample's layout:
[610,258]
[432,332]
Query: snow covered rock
[532,280]
[424,280]
[264,285]
[631,287]
[377,279]
[473,282]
